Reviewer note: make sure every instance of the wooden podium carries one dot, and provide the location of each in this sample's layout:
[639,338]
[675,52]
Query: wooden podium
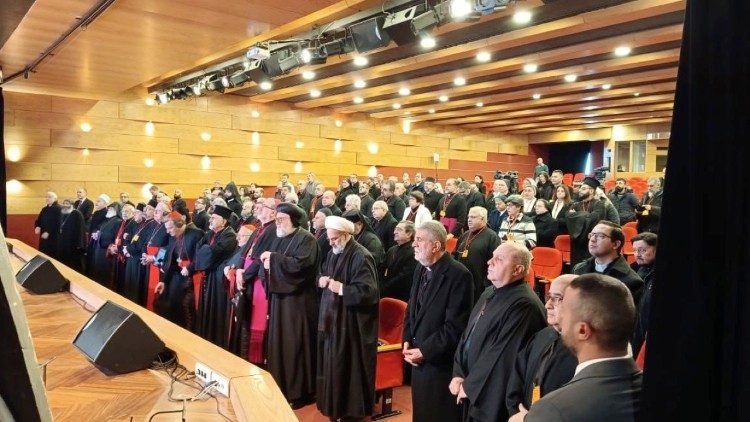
[76,390]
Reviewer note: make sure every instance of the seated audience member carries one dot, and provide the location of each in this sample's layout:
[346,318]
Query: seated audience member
[547,228]
[624,200]
[576,190]
[388,195]
[366,200]
[649,211]
[352,202]
[395,281]
[497,214]
[475,247]
[644,246]
[432,196]
[597,318]
[329,201]
[416,212]
[479,183]
[610,212]
[506,316]
[605,243]
[517,227]
[545,364]
[582,216]
[383,223]
[529,199]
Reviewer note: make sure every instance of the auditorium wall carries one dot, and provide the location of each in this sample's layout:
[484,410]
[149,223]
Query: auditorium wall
[59,144]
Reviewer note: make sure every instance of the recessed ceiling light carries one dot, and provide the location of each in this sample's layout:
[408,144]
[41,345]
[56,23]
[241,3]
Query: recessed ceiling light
[636,94]
[590,108]
[404,91]
[592,98]
[536,96]
[315,93]
[308,74]
[396,106]
[359,83]
[443,98]
[339,123]
[360,61]
[266,85]
[358,100]
[431,111]
[622,51]
[570,78]
[522,17]
[480,104]
[86,127]
[427,42]
[606,86]
[255,113]
[586,116]
[484,56]
[530,67]
[459,81]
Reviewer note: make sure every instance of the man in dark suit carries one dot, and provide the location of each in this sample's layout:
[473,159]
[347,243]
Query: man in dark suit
[395,281]
[441,297]
[388,195]
[383,223]
[597,319]
[84,205]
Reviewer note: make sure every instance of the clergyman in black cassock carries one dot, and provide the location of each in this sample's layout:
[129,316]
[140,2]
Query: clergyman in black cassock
[98,217]
[176,301]
[396,280]
[581,219]
[102,266]
[135,285]
[475,247]
[347,327]
[507,314]
[290,269]
[47,225]
[217,245]
[546,364]
[441,298]
[451,210]
[71,242]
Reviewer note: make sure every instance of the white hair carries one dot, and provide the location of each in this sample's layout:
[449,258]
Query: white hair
[354,200]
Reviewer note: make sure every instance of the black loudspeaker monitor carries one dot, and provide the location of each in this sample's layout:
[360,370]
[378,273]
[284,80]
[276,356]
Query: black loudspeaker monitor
[369,35]
[117,341]
[40,276]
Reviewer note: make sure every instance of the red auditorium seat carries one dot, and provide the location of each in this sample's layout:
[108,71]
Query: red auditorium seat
[547,264]
[627,248]
[568,179]
[389,372]
[562,244]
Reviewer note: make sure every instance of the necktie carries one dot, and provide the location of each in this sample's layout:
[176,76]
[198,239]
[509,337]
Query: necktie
[423,283]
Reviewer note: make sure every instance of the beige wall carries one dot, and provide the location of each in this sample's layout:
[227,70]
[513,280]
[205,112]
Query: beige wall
[44,133]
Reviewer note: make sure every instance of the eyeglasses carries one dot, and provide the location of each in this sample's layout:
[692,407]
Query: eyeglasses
[599,236]
[555,299]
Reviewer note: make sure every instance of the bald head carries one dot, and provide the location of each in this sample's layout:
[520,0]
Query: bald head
[328,198]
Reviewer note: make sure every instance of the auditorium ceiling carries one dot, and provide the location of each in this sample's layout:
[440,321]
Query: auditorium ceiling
[623,54]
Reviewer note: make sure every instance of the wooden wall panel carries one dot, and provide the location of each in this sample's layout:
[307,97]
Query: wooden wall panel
[46,133]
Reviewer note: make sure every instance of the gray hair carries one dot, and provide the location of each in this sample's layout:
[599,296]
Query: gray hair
[291,198]
[482,211]
[521,256]
[354,200]
[437,232]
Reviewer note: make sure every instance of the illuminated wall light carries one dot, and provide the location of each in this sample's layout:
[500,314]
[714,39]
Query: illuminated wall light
[206,136]
[606,86]
[592,98]
[315,93]
[146,190]
[86,152]
[459,81]
[265,85]
[255,113]
[570,78]
[427,42]
[205,162]
[530,67]
[339,123]
[254,167]
[13,186]
[522,17]
[338,145]
[358,100]
[359,83]
[536,96]
[404,91]
[299,144]
[406,126]
[360,61]
[396,106]
[150,129]
[372,171]
[150,102]
[13,154]
[484,56]
[148,162]
[298,167]
[460,8]
[86,127]
[308,75]
[618,132]
[622,51]
[443,98]
[373,148]
[255,138]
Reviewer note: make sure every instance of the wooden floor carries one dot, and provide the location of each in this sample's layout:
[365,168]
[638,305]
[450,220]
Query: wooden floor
[77,391]
[401,401]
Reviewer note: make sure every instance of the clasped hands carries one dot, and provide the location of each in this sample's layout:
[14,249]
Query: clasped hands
[331,284]
[456,388]
[414,356]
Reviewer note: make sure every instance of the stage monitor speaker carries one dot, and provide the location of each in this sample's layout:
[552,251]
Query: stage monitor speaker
[398,24]
[40,276]
[369,35]
[117,341]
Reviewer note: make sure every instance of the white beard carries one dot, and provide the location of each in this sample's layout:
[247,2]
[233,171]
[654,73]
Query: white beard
[338,249]
[280,232]
[111,214]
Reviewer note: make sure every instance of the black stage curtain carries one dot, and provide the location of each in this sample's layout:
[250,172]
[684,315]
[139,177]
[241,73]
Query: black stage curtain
[698,347]
[570,157]
[3,193]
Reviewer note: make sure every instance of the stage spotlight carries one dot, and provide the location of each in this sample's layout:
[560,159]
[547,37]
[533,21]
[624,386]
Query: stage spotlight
[239,78]
[214,84]
[316,55]
[463,11]
[272,66]
[398,24]
[290,63]
[425,22]
[338,47]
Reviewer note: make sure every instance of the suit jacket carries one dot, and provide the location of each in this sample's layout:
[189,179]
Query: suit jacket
[384,229]
[604,391]
[86,208]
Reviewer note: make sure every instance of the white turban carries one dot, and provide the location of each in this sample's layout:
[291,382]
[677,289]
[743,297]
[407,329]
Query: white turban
[104,197]
[339,223]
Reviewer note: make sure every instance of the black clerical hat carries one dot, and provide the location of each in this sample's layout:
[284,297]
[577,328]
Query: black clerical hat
[224,212]
[141,206]
[294,212]
[591,182]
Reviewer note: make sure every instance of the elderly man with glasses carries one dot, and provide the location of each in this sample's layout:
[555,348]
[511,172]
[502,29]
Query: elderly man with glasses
[605,244]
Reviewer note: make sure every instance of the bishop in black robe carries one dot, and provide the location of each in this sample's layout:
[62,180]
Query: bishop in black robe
[71,242]
[103,267]
[397,276]
[452,213]
[474,249]
[290,277]
[217,245]
[347,327]
[47,226]
[500,325]
[95,224]
[136,284]
[384,229]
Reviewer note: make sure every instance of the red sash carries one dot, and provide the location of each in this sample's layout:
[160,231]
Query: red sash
[449,223]
[153,278]
[197,277]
